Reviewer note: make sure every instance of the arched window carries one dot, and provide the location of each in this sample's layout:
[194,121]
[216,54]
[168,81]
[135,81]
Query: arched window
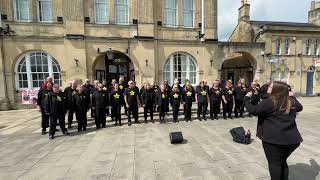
[180,66]
[33,68]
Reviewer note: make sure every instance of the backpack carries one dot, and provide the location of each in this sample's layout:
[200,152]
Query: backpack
[239,135]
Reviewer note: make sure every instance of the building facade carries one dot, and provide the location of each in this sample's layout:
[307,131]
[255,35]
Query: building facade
[150,40]
[291,49]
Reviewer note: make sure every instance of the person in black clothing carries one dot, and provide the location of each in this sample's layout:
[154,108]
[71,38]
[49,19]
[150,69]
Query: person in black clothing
[155,88]
[115,102]
[95,88]
[202,99]
[81,106]
[215,94]
[228,100]
[122,87]
[148,99]
[131,97]
[162,100]
[111,87]
[100,101]
[175,99]
[42,94]
[68,93]
[264,90]
[277,127]
[107,91]
[187,98]
[55,108]
[240,92]
[255,94]
[168,90]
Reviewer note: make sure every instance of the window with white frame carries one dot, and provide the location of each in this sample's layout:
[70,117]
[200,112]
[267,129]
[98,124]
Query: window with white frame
[180,66]
[21,10]
[278,46]
[171,13]
[45,10]
[308,46]
[277,75]
[34,67]
[188,13]
[316,47]
[122,11]
[102,11]
[287,46]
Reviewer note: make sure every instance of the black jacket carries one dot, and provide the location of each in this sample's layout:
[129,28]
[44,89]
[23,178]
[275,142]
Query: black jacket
[215,94]
[42,94]
[81,102]
[116,98]
[162,99]
[148,97]
[55,104]
[188,96]
[264,91]
[132,94]
[275,126]
[239,92]
[202,95]
[68,93]
[100,99]
[175,98]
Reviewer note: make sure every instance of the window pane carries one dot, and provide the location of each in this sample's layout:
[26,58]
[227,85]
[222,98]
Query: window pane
[122,11]
[170,12]
[22,10]
[45,10]
[188,13]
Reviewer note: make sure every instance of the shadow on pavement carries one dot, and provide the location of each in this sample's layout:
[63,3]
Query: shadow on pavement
[302,171]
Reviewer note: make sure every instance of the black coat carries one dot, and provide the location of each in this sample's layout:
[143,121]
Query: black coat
[42,94]
[81,102]
[215,94]
[162,99]
[175,97]
[148,97]
[275,126]
[68,93]
[100,99]
[264,91]
[116,98]
[188,96]
[55,104]
[239,92]
[202,95]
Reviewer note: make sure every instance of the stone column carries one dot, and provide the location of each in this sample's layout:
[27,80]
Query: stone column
[4,101]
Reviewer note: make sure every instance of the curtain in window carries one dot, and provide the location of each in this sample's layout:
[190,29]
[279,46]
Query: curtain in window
[102,11]
[122,9]
[22,10]
[188,13]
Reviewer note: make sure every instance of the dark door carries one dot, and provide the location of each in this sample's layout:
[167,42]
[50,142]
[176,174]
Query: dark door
[230,76]
[310,83]
[100,75]
[115,70]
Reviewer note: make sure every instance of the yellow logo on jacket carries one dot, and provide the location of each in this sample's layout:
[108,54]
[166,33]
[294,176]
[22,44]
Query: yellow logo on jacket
[229,91]
[121,87]
[163,96]
[132,93]
[58,98]
[189,93]
[175,95]
[217,92]
[116,96]
[203,93]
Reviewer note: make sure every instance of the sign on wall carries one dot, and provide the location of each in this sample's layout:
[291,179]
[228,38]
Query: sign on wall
[29,96]
[317,62]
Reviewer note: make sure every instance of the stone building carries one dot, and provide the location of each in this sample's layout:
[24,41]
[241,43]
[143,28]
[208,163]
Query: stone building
[291,49]
[150,40]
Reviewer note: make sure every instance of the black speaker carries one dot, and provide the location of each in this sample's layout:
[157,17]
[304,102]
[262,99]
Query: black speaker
[60,19]
[200,24]
[4,17]
[86,19]
[159,23]
[135,21]
[176,137]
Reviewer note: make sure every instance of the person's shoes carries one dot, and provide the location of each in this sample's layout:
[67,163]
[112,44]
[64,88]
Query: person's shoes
[136,121]
[204,118]
[230,117]
[84,129]
[120,124]
[51,137]
[69,126]
[98,127]
[67,133]
[43,132]
[79,130]
[116,124]
[216,118]
[224,117]
[129,123]
[152,121]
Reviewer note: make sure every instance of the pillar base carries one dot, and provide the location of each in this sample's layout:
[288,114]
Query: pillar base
[4,104]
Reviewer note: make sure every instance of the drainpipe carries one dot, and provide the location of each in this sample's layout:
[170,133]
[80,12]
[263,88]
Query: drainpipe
[202,19]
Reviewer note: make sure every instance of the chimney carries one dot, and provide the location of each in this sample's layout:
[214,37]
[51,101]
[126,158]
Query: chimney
[314,12]
[244,11]
[313,5]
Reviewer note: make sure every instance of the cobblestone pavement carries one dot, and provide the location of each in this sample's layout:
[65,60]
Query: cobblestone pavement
[143,151]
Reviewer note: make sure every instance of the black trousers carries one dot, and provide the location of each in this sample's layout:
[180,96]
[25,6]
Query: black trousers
[134,110]
[116,112]
[187,111]
[100,117]
[202,109]
[214,108]
[44,120]
[70,116]
[277,159]
[162,111]
[53,124]
[253,103]
[238,108]
[175,109]
[227,109]
[148,108]
[82,120]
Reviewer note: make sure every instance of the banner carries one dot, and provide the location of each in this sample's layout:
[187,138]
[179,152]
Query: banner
[29,96]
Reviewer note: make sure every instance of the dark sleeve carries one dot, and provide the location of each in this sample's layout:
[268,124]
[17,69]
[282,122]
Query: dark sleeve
[264,107]
[47,104]
[39,99]
[142,98]
[297,104]
[93,100]
[107,98]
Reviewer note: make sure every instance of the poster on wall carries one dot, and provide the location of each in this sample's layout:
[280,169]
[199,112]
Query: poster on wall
[29,96]
[317,62]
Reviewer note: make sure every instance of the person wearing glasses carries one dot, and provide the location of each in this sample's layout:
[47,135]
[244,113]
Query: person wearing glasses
[100,102]
[132,100]
[277,126]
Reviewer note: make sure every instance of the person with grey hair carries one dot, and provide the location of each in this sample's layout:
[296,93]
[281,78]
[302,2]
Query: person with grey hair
[100,100]
[69,92]
[131,97]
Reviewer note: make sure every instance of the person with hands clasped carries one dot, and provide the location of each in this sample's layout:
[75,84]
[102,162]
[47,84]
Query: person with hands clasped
[277,126]
[100,102]
[132,100]
[228,100]
[148,100]
[187,98]
[202,99]
[162,99]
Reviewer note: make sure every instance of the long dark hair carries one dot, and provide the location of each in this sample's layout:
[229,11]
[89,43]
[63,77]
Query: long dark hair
[280,97]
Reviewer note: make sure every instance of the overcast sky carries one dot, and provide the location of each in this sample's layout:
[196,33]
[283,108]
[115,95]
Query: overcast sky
[262,10]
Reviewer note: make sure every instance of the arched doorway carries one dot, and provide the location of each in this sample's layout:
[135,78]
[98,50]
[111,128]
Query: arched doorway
[180,66]
[310,75]
[239,65]
[119,66]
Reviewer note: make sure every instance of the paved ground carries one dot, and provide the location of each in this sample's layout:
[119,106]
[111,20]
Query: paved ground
[143,151]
